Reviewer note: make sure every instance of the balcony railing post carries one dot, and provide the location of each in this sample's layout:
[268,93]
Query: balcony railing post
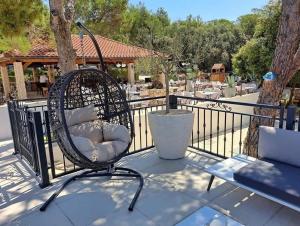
[281,116]
[49,142]
[291,117]
[12,118]
[173,101]
[41,152]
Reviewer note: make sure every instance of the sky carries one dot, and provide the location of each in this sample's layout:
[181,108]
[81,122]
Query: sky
[206,9]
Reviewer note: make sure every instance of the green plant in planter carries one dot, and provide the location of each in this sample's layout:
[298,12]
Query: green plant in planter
[230,91]
[230,80]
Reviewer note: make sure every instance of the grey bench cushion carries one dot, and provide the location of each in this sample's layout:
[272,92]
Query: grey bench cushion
[279,145]
[273,178]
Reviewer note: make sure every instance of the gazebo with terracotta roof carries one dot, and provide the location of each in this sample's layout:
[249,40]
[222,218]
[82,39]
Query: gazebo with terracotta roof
[113,52]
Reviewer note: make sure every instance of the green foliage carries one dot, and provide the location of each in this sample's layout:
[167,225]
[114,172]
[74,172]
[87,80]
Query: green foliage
[222,39]
[256,55]
[188,36]
[145,28]
[118,73]
[101,16]
[191,73]
[17,16]
[206,43]
[147,66]
[20,43]
[253,58]
[247,24]
[40,29]
[21,22]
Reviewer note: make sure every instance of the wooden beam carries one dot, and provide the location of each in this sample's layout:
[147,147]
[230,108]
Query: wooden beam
[20,80]
[5,80]
[54,60]
[38,60]
[26,65]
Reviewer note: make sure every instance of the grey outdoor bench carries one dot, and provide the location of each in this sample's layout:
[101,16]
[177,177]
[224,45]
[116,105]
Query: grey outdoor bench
[276,175]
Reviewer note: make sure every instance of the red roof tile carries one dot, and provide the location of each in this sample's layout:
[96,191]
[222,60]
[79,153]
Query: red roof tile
[110,49]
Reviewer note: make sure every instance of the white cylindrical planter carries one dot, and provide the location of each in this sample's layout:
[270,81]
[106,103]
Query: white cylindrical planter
[171,132]
[229,92]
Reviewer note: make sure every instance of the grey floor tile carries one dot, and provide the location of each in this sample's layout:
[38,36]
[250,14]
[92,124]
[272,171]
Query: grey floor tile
[53,216]
[123,218]
[86,207]
[208,217]
[167,207]
[285,217]
[241,204]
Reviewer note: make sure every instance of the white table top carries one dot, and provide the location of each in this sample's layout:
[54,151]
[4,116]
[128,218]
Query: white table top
[226,168]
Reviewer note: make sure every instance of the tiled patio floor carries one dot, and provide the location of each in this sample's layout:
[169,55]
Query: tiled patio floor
[173,190]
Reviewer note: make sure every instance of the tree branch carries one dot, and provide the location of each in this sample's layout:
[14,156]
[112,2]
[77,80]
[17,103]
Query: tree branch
[69,10]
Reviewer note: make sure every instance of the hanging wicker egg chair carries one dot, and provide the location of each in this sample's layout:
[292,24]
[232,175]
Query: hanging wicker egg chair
[91,120]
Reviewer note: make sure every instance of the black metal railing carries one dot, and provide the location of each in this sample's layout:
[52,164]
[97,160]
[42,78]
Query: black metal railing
[29,120]
[220,128]
[28,139]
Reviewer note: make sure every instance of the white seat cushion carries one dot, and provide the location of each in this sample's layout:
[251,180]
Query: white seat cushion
[93,131]
[87,137]
[101,152]
[80,115]
[90,130]
[84,145]
[108,150]
[279,145]
[114,132]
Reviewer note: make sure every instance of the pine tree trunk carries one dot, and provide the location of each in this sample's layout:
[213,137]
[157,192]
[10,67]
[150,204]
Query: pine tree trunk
[61,18]
[285,64]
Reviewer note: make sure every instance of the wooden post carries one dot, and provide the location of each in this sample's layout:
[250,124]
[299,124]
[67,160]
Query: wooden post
[5,80]
[20,80]
[34,75]
[131,78]
[50,74]
[53,74]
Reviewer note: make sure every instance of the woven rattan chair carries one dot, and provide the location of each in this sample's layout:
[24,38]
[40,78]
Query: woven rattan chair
[77,90]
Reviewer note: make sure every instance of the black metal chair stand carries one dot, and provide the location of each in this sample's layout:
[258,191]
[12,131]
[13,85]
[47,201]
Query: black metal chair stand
[211,180]
[110,172]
